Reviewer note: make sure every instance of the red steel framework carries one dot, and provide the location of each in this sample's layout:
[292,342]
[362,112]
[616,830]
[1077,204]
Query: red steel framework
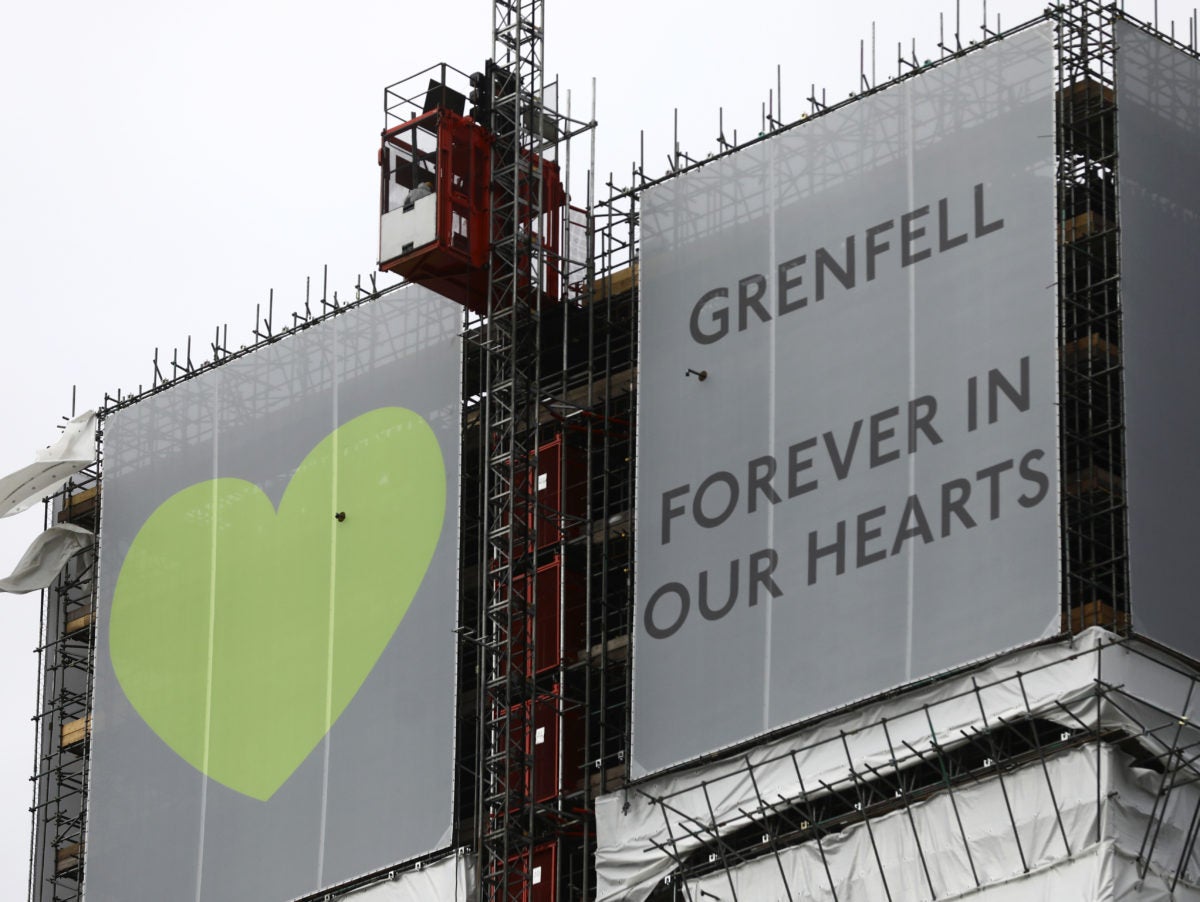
[443,160]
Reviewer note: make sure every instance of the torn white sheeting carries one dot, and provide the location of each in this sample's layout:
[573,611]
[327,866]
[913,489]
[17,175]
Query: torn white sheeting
[74,450]
[854,872]
[450,879]
[1089,855]
[1129,886]
[45,558]
[1055,682]
[1147,816]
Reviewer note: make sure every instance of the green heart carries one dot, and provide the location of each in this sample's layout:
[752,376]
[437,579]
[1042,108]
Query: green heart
[240,634]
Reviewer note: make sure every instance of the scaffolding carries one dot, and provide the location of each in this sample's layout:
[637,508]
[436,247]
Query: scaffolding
[548,426]
[507,817]
[547,527]
[64,707]
[945,790]
[67,649]
[1095,566]
[705,849]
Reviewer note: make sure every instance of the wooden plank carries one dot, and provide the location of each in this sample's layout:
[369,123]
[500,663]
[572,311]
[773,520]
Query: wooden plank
[1092,346]
[1087,106]
[1093,479]
[68,858]
[75,731]
[85,495]
[613,779]
[617,650]
[80,620]
[1088,90]
[616,284]
[80,506]
[1094,613]
[624,280]
[1083,226]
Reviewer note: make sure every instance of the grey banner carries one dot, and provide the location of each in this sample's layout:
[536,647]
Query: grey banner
[275,658]
[1158,133]
[847,443]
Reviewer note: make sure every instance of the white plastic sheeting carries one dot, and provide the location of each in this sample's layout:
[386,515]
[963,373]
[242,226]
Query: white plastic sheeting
[1057,861]
[74,450]
[45,558]
[1075,683]
[993,854]
[449,879]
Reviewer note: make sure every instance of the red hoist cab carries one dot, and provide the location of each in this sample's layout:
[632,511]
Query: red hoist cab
[436,204]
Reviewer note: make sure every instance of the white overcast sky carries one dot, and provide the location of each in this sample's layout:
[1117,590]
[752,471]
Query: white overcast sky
[163,165]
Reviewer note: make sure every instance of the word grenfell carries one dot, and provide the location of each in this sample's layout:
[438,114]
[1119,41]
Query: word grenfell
[908,237]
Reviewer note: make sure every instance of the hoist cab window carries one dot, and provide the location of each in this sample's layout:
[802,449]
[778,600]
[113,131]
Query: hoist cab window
[409,161]
[435,202]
